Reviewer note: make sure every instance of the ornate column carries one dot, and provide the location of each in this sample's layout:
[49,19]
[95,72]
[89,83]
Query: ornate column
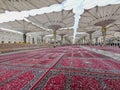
[62,37]
[90,36]
[24,37]
[96,40]
[50,40]
[42,39]
[104,29]
[54,36]
[84,39]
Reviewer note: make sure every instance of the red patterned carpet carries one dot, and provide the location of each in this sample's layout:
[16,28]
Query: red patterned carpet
[114,49]
[61,68]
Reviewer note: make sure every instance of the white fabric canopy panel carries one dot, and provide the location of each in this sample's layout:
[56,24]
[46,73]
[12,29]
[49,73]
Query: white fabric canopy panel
[55,20]
[50,37]
[114,26]
[21,26]
[95,18]
[65,32]
[21,5]
[40,33]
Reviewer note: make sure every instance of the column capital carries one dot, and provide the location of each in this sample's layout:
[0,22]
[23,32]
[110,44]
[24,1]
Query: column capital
[62,34]
[104,29]
[90,32]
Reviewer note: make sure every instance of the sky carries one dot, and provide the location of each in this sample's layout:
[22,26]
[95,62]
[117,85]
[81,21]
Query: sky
[77,6]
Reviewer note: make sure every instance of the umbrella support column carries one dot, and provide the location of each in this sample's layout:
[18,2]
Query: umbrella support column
[104,29]
[42,40]
[62,37]
[54,36]
[96,40]
[24,37]
[90,36]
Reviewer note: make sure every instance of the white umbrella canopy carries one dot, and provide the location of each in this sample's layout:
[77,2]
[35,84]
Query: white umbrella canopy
[68,32]
[40,33]
[21,5]
[99,33]
[21,26]
[94,19]
[65,32]
[54,20]
[114,26]
[89,29]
